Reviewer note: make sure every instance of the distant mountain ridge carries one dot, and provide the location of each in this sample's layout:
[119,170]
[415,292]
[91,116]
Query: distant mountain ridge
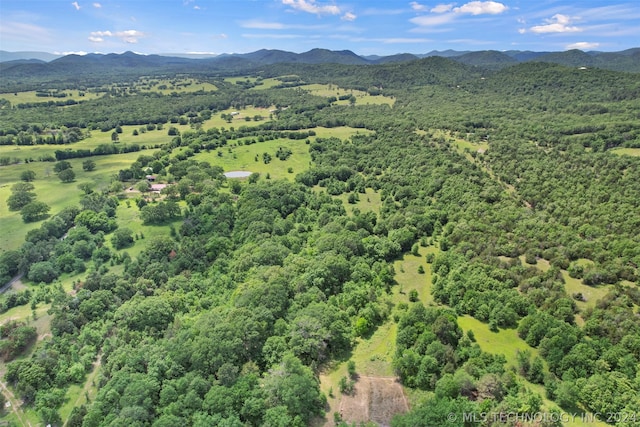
[18,56]
[28,64]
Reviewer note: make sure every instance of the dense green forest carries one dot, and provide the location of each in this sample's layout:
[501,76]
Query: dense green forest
[231,301]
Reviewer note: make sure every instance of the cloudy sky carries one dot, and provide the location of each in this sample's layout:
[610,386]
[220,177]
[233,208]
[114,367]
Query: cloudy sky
[363,26]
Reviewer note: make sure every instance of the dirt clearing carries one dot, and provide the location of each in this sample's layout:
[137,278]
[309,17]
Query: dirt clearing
[375,399]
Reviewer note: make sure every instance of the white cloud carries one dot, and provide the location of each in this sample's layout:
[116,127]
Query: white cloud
[311,6]
[97,5]
[429,21]
[257,24]
[76,5]
[101,34]
[445,12]
[417,6]
[262,25]
[371,11]
[442,8]
[128,36]
[556,24]
[196,7]
[348,17]
[481,8]
[583,45]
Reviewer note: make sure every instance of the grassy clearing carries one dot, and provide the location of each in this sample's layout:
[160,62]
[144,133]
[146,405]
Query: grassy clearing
[590,293]
[267,84]
[59,195]
[245,117]
[50,190]
[341,132]
[24,313]
[27,417]
[243,157]
[573,286]
[166,87]
[409,279]
[369,202]
[30,97]
[158,85]
[460,143]
[505,342]
[541,264]
[626,151]
[78,395]
[362,98]
[129,217]
[235,80]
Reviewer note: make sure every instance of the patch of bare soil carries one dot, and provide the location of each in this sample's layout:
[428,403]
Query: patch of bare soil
[375,399]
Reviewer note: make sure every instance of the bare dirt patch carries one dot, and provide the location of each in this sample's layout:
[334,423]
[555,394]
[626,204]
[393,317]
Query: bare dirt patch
[375,399]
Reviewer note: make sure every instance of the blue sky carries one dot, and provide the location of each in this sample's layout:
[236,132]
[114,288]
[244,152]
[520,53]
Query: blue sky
[364,26]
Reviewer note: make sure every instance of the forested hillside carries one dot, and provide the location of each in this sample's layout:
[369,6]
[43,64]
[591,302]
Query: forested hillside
[212,300]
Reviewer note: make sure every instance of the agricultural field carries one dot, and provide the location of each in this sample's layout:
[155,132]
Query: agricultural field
[627,151]
[31,97]
[361,98]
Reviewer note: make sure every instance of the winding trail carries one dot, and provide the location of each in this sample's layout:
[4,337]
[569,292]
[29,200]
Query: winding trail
[11,282]
[11,398]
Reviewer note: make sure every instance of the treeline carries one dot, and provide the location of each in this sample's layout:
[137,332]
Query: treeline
[35,135]
[100,150]
[107,112]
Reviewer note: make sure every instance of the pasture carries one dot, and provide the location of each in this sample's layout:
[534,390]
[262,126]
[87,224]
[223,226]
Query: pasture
[50,190]
[168,86]
[626,151]
[30,97]
[240,157]
[362,98]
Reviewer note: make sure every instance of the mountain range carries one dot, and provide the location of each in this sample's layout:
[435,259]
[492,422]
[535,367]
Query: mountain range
[31,64]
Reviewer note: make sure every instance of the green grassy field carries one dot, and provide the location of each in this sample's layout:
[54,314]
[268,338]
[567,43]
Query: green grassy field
[243,158]
[626,151]
[240,119]
[505,342]
[180,86]
[409,279]
[362,98]
[369,202]
[573,286]
[30,96]
[50,190]
[267,84]
[129,216]
[77,394]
